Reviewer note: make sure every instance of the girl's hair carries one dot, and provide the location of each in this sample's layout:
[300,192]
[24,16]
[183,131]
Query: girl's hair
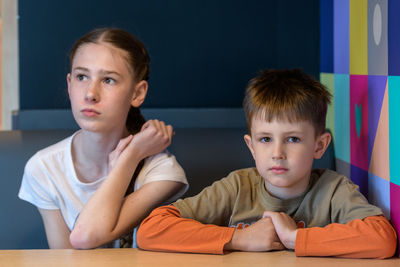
[139,61]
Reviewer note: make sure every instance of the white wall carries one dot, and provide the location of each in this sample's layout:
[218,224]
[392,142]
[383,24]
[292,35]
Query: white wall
[9,62]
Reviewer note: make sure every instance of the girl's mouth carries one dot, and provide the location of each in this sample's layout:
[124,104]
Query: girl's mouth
[88,112]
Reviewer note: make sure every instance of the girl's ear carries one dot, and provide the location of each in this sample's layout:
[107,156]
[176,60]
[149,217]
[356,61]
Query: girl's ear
[139,93]
[69,83]
[249,143]
[321,144]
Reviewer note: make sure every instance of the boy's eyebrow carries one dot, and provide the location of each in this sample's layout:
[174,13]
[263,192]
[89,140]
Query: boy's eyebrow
[285,133]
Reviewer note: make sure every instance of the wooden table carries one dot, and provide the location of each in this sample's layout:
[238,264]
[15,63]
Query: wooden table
[136,257]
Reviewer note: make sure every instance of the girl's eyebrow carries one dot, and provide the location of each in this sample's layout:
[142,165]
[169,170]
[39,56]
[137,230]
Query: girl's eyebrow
[108,72]
[81,69]
[102,72]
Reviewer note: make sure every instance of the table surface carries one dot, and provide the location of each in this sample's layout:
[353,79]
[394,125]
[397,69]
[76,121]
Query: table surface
[136,257]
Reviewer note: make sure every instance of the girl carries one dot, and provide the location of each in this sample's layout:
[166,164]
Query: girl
[98,184]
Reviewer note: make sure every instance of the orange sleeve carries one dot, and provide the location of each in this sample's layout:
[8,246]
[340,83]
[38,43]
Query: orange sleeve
[165,230]
[372,237]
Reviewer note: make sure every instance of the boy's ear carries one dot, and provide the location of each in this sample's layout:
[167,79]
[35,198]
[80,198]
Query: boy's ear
[139,93]
[249,143]
[69,83]
[322,144]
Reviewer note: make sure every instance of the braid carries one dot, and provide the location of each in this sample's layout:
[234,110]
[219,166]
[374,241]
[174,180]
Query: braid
[134,123]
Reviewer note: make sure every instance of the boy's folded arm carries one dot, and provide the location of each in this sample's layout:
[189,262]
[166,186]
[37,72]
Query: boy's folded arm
[372,237]
[165,230]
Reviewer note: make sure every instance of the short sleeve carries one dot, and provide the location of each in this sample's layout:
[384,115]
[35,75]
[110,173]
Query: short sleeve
[213,205]
[348,203]
[162,167]
[35,188]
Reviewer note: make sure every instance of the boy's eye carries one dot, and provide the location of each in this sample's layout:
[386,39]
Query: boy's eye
[265,140]
[293,139]
[81,77]
[109,80]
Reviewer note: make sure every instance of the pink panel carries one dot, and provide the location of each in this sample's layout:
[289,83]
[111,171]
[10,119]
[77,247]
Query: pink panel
[359,121]
[395,208]
[379,161]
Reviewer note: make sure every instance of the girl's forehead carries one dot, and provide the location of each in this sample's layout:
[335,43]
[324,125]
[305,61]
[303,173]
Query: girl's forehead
[102,53]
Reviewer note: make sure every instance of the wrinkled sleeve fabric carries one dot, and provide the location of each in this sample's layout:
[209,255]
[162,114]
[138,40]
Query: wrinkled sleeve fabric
[214,204]
[162,167]
[347,203]
[36,186]
[371,237]
[165,230]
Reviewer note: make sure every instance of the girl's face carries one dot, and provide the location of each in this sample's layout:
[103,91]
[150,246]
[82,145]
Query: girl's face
[102,88]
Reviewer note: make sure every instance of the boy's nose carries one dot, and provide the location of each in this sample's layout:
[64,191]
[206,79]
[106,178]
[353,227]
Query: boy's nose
[278,152]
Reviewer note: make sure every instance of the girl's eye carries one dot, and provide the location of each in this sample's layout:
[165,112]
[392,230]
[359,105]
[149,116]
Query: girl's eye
[109,80]
[265,140]
[293,139]
[81,77]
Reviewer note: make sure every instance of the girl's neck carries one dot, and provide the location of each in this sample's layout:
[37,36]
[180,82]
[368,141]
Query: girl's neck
[90,152]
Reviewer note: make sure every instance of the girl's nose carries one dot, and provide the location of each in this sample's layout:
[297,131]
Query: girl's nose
[92,94]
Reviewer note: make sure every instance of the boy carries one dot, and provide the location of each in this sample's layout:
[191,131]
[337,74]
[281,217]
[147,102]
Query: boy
[281,203]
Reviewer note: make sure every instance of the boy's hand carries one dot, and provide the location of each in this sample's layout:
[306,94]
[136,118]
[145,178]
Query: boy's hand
[260,236]
[285,227]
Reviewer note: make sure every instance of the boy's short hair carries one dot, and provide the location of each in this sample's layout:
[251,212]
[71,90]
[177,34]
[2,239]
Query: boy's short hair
[288,95]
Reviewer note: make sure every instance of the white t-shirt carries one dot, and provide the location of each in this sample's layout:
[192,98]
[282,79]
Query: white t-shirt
[50,181]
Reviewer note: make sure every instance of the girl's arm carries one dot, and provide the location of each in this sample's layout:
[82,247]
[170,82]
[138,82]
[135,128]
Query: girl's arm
[108,214]
[57,232]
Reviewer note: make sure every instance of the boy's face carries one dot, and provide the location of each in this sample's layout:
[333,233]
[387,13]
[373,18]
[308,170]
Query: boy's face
[284,153]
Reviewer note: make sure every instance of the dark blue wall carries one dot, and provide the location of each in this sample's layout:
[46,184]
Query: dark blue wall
[202,52]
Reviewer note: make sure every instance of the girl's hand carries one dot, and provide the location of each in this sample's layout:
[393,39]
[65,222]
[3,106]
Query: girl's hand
[114,155]
[153,138]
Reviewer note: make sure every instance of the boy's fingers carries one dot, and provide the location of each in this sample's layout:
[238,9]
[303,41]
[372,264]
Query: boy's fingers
[268,214]
[277,246]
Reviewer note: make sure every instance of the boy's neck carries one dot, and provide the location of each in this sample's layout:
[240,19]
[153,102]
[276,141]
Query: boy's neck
[285,193]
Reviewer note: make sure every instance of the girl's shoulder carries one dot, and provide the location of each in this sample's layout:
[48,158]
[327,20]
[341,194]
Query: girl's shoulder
[160,167]
[60,146]
[59,152]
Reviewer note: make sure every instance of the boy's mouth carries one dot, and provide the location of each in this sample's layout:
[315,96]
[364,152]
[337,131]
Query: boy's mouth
[278,169]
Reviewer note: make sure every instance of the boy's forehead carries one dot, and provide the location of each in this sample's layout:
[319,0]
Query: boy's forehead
[260,123]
